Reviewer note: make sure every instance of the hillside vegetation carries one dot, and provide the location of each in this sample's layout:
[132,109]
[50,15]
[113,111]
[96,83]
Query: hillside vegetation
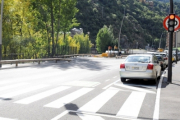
[142,24]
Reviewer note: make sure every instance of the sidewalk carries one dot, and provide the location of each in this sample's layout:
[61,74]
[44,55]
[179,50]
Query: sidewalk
[169,107]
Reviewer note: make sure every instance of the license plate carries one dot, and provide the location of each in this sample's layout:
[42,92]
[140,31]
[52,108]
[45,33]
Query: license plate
[135,68]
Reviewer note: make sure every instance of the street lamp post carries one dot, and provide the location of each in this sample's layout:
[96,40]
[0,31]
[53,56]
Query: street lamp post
[160,40]
[120,29]
[2,2]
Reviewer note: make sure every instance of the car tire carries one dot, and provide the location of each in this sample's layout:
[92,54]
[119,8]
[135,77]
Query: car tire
[123,79]
[155,80]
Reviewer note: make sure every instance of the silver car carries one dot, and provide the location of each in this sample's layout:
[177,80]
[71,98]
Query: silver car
[140,66]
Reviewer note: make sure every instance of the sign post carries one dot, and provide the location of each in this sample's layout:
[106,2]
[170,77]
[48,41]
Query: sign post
[171,23]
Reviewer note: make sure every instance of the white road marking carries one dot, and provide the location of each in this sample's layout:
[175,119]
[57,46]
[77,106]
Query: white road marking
[146,86]
[135,88]
[110,84]
[103,115]
[157,103]
[95,104]
[2,118]
[114,88]
[5,82]
[115,77]
[89,117]
[68,98]
[132,105]
[107,80]
[12,86]
[96,85]
[42,95]
[22,91]
[81,83]
[60,115]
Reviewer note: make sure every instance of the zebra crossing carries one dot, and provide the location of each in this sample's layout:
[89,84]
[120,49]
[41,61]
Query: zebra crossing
[91,103]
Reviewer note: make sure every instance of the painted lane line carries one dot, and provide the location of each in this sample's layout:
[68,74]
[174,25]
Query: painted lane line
[22,91]
[102,115]
[68,98]
[107,80]
[5,82]
[135,88]
[60,115]
[96,84]
[115,77]
[146,86]
[13,86]
[157,102]
[111,84]
[42,95]
[132,105]
[96,103]
[2,118]
[89,117]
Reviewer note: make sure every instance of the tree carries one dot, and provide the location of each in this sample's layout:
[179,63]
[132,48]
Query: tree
[104,39]
[68,12]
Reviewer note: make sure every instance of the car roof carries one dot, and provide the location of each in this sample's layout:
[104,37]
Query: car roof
[160,53]
[141,55]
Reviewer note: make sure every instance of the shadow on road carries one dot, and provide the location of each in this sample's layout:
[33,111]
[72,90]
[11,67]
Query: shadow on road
[83,63]
[5,99]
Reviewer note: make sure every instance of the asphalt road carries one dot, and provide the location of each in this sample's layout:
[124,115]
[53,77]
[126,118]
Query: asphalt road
[87,88]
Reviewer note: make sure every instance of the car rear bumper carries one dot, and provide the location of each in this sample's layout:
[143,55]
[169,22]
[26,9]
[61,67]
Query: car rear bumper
[148,74]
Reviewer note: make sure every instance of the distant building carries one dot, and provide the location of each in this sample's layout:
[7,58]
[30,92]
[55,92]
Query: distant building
[76,31]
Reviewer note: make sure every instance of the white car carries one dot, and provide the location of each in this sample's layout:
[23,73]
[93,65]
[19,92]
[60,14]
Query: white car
[140,66]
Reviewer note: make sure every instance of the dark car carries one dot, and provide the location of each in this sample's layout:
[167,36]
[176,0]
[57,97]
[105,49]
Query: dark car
[161,61]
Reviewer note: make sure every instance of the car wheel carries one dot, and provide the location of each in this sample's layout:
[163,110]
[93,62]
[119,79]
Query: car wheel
[123,79]
[155,79]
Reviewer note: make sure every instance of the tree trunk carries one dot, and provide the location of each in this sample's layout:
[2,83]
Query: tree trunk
[52,18]
[58,26]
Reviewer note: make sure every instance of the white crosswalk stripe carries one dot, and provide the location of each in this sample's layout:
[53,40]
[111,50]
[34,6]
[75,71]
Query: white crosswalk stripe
[2,118]
[89,117]
[68,98]
[12,86]
[130,108]
[41,95]
[22,91]
[95,104]
[132,105]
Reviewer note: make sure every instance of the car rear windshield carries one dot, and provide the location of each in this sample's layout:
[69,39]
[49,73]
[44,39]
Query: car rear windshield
[159,58]
[143,59]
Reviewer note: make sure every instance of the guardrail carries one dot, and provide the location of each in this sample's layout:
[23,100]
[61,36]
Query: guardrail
[32,60]
[57,58]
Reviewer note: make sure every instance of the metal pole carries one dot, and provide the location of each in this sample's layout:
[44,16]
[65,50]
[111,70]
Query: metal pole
[2,2]
[176,48]
[170,48]
[120,29]
[160,40]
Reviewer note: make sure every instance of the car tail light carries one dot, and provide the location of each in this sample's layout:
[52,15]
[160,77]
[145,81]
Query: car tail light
[150,66]
[165,58]
[122,66]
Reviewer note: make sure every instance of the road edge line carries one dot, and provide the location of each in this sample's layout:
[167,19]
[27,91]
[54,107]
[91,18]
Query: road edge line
[157,102]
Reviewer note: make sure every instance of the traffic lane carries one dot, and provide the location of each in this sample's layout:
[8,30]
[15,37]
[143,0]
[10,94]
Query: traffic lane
[45,113]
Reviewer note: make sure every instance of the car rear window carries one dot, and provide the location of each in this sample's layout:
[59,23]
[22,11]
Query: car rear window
[159,57]
[143,59]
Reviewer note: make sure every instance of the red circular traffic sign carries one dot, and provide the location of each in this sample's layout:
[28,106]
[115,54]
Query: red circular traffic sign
[177,23]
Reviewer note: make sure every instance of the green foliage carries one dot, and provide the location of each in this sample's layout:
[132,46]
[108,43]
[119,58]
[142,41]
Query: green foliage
[104,39]
[143,23]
